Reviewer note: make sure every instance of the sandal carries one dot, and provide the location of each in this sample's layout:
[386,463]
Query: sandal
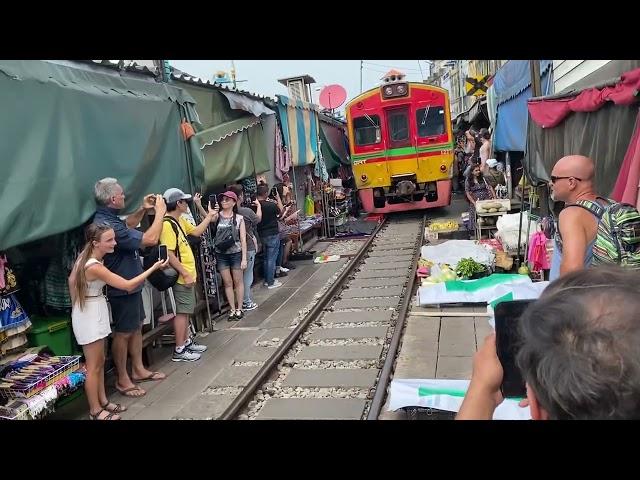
[119,408]
[110,416]
[232,316]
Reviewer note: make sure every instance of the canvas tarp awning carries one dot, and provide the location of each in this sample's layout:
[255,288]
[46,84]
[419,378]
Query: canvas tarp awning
[64,128]
[512,85]
[299,121]
[602,135]
[236,157]
[333,145]
[233,142]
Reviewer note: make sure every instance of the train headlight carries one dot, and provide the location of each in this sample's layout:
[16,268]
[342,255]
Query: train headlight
[364,178]
[443,168]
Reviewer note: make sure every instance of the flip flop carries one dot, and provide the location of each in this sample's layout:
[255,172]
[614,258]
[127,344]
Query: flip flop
[127,392]
[119,408]
[153,377]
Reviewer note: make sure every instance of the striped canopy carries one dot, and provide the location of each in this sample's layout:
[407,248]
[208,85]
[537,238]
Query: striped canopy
[299,121]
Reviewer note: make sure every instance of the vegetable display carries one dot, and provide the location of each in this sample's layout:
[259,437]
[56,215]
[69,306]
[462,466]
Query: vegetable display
[467,267]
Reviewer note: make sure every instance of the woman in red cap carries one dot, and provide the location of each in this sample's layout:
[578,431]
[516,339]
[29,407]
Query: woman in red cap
[231,252]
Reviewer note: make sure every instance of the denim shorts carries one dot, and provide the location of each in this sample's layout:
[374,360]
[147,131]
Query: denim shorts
[229,260]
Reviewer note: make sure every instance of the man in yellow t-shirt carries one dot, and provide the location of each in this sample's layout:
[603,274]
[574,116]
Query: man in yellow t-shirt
[182,260]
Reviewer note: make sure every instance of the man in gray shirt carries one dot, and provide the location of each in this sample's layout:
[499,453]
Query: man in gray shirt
[251,220]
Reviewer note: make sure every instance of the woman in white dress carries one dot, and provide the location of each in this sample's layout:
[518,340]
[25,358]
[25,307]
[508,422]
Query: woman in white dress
[90,315]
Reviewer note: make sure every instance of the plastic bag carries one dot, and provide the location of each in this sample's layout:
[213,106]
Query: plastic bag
[309,208]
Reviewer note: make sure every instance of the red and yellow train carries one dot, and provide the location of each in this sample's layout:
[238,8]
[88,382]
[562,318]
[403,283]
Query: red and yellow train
[401,146]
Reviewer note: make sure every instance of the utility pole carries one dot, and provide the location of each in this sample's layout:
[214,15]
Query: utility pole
[361,75]
[233,74]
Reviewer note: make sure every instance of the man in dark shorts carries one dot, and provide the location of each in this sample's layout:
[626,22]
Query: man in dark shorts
[127,311]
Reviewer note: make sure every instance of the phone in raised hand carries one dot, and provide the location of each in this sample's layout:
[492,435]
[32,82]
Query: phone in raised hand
[163,254]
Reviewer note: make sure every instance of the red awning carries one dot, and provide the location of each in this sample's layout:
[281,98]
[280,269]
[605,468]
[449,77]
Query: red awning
[549,113]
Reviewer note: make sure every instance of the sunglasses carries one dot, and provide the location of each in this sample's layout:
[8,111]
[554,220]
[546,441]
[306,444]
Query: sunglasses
[226,199]
[554,179]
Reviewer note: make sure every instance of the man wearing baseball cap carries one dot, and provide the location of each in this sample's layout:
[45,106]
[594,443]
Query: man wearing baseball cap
[181,258]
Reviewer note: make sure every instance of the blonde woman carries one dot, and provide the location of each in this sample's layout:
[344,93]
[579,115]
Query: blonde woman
[90,316]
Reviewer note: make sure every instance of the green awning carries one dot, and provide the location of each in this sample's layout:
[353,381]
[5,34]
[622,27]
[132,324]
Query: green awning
[238,156]
[220,132]
[64,128]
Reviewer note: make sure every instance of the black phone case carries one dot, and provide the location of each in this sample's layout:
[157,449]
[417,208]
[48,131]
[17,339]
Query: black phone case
[507,340]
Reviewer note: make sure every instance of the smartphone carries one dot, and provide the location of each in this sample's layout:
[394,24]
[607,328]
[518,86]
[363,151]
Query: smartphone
[162,252]
[253,197]
[508,342]
[213,199]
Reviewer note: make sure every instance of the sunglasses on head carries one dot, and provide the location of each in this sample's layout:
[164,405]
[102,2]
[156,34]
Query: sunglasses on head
[554,179]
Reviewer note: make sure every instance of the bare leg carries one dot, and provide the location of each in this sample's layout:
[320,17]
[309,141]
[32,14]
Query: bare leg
[94,356]
[228,288]
[238,281]
[138,370]
[181,326]
[120,349]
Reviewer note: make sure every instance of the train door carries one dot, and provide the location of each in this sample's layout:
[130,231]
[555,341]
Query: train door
[401,153]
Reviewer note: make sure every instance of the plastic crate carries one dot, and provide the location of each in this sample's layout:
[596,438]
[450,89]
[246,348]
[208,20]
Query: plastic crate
[54,332]
[423,413]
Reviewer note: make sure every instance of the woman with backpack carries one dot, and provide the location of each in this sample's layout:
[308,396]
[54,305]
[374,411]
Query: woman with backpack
[90,314]
[231,252]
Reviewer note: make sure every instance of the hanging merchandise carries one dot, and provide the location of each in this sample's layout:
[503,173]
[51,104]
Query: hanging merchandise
[11,313]
[282,156]
[320,168]
[8,281]
[56,287]
[537,256]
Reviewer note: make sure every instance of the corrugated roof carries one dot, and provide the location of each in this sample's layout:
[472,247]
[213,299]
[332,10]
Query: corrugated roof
[127,65]
[185,77]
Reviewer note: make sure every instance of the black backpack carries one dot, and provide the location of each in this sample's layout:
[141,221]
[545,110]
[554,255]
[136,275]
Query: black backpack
[228,238]
[163,279]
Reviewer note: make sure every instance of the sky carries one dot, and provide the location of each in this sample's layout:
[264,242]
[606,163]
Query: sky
[262,75]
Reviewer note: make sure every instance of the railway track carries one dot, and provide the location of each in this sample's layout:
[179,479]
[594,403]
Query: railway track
[337,361]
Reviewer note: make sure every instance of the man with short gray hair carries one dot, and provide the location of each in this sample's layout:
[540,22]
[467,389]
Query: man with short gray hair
[127,310]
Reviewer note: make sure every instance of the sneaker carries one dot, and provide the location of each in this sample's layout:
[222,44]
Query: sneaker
[265,284]
[289,266]
[232,316]
[281,273]
[239,314]
[283,269]
[276,284]
[195,347]
[249,306]
[185,356]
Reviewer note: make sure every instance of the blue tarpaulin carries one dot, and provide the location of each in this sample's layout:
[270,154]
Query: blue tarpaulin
[512,84]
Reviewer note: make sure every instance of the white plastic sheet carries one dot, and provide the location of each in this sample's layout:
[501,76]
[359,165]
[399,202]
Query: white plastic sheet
[452,251]
[445,395]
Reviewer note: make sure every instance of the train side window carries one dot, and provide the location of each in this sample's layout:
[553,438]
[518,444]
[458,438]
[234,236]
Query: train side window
[430,121]
[367,130]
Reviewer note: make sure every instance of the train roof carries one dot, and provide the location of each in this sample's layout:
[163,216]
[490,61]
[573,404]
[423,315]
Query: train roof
[420,84]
